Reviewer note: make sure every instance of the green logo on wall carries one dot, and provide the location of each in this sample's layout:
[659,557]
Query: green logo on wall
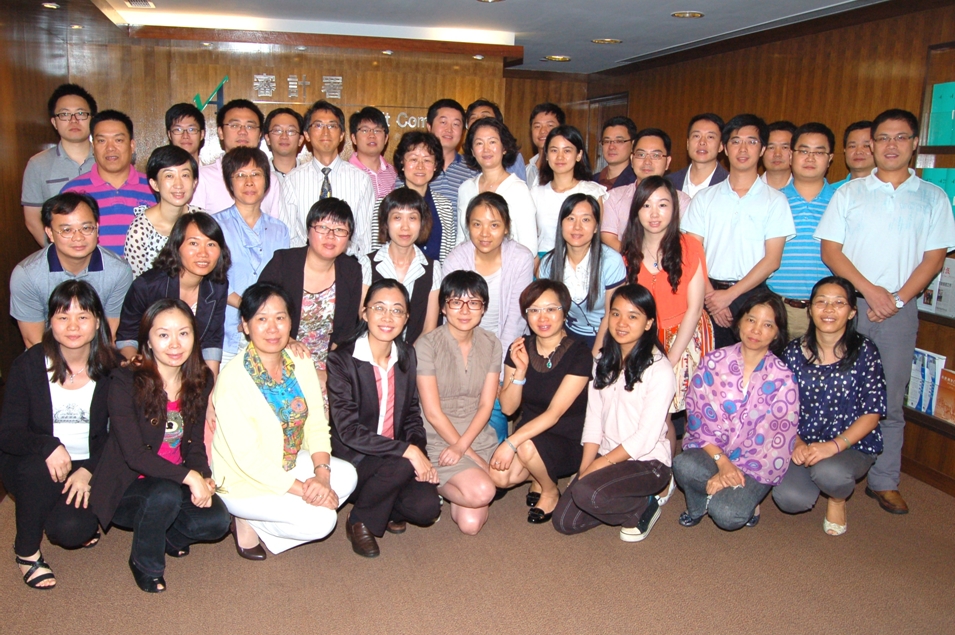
[217,94]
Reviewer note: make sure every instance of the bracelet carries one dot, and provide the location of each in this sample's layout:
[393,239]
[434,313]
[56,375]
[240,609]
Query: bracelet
[838,449]
[321,466]
[848,445]
[519,382]
[510,445]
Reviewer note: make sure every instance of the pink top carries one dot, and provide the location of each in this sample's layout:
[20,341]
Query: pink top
[212,196]
[388,425]
[383,181]
[617,209]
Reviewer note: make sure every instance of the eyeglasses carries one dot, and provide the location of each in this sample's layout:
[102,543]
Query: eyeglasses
[899,138]
[427,162]
[653,156]
[815,154]
[321,125]
[456,304]
[80,115]
[285,132]
[738,141]
[381,310]
[549,311]
[825,304]
[178,132]
[337,232]
[248,127]
[69,232]
[242,176]
[374,131]
[614,142]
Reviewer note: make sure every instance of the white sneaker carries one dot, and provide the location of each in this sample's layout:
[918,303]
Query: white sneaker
[647,521]
[662,500]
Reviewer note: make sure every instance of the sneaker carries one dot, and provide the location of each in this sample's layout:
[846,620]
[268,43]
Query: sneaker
[647,521]
[662,500]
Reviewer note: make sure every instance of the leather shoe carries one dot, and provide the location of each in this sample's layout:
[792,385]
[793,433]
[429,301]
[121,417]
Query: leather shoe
[890,500]
[536,516]
[532,499]
[252,553]
[362,540]
[688,521]
[396,527]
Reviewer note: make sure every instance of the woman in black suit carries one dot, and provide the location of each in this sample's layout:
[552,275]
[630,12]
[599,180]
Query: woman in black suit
[192,267]
[154,476]
[53,428]
[376,422]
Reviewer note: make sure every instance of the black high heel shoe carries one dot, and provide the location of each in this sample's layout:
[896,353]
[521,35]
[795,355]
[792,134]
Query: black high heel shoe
[252,553]
[146,582]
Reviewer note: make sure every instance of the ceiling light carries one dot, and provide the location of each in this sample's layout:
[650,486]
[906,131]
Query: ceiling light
[686,14]
[50,5]
[301,48]
[140,4]
[478,57]
[557,58]
[490,1]
[76,26]
[387,52]
[207,43]
[606,40]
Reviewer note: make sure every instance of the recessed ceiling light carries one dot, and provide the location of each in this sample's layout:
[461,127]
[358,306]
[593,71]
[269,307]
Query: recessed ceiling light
[490,1]
[207,43]
[140,4]
[387,52]
[686,14]
[301,48]
[76,26]
[50,5]
[606,40]
[557,58]
[478,57]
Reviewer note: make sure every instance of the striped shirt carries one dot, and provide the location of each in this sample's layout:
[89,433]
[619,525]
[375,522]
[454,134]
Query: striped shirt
[447,183]
[117,207]
[802,265]
[383,180]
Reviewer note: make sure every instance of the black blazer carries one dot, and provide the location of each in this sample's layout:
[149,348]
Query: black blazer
[133,448]
[678,177]
[26,422]
[156,285]
[287,269]
[420,294]
[353,406]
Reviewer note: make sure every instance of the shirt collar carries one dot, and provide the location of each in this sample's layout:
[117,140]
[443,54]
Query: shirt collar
[580,268]
[53,260]
[754,189]
[362,353]
[318,165]
[874,183]
[133,178]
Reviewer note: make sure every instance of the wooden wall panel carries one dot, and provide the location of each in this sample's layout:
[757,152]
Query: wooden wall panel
[836,77]
[522,94]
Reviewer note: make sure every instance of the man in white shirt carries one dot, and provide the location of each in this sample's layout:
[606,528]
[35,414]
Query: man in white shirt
[888,234]
[325,176]
[743,225]
[544,118]
[703,145]
[778,157]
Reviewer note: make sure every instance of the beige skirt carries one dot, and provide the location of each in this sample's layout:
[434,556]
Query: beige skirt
[700,344]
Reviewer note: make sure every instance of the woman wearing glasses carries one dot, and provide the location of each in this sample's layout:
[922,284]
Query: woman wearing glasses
[418,159]
[459,368]
[545,375]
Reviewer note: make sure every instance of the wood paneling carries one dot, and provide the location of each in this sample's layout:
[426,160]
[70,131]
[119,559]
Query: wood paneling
[836,77]
[523,91]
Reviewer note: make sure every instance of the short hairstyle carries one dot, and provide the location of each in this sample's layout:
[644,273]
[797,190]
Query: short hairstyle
[474,105]
[320,105]
[550,109]
[536,289]
[66,203]
[507,141]
[814,127]
[494,201]
[865,124]
[333,209]
[102,357]
[239,157]
[236,104]
[620,121]
[461,283]
[444,103]
[299,119]
[258,294]
[741,121]
[63,90]
[411,140]
[169,157]
[782,126]
[582,171]
[112,115]
[896,114]
[712,117]
[169,261]
[775,303]
[178,112]
[404,198]
[654,132]
[368,113]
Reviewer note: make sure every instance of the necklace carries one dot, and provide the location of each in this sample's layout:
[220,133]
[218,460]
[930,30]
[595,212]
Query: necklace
[72,374]
[551,354]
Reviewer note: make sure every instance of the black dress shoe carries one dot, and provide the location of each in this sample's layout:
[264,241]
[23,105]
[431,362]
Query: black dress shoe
[252,553]
[532,499]
[688,521]
[536,516]
[362,540]
[146,582]
[396,527]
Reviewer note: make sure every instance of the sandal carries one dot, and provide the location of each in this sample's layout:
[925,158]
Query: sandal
[39,563]
[92,542]
[832,529]
[146,582]
[175,552]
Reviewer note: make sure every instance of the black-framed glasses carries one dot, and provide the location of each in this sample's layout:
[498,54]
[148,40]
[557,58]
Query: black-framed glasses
[324,230]
[80,115]
[457,304]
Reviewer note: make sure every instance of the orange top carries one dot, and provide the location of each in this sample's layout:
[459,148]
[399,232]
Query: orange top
[671,307]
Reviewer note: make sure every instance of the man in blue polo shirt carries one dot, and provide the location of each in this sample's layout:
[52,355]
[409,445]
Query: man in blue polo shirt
[809,194]
[70,221]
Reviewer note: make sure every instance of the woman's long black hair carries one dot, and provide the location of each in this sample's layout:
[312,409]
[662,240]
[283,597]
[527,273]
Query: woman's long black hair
[672,248]
[850,343]
[102,357]
[559,254]
[641,357]
[400,345]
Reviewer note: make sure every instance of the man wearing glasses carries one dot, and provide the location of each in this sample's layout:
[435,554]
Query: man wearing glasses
[616,141]
[809,194]
[70,108]
[703,145]
[70,222]
[857,145]
[327,176]
[888,234]
[369,138]
[285,139]
[186,128]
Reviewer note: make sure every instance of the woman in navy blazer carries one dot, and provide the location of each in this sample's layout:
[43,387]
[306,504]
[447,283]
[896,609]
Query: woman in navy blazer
[192,267]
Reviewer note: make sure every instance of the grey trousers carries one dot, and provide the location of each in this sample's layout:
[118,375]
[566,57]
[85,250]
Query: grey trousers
[895,339]
[835,477]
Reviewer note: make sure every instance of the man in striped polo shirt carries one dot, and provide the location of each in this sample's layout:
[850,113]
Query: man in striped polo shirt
[114,183]
[809,194]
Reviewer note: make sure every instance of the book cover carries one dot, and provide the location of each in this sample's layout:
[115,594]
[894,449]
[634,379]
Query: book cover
[945,401]
[923,383]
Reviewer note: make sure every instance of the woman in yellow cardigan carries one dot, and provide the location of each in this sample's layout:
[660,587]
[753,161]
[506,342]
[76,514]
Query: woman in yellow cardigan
[271,452]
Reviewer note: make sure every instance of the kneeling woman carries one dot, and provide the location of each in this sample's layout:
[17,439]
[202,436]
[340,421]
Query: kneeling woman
[153,476]
[271,451]
[626,456]
[742,412]
[377,425]
[842,390]
[545,375]
[53,428]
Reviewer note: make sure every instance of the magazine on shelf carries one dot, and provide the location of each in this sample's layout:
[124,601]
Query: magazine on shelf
[939,295]
[945,402]
[926,375]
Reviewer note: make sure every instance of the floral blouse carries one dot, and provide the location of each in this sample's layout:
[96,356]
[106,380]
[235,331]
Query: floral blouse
[315,327]
[285,398]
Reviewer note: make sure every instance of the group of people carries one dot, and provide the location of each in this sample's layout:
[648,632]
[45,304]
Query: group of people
[246,345]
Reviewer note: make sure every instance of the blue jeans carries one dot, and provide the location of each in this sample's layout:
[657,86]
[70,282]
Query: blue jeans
[730,508]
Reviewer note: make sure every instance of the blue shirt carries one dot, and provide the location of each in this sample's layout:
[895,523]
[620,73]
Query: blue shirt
[451,178]
[251,249]
[581,319]
[802,265]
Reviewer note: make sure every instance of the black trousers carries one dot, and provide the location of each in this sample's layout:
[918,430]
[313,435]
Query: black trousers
[40,506]
[387,490]
[723,336]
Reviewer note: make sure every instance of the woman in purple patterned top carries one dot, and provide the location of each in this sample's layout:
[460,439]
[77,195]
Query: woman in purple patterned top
[742,415]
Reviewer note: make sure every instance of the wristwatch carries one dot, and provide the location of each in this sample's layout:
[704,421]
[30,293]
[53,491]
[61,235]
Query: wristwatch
[898,301]
[718,456]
